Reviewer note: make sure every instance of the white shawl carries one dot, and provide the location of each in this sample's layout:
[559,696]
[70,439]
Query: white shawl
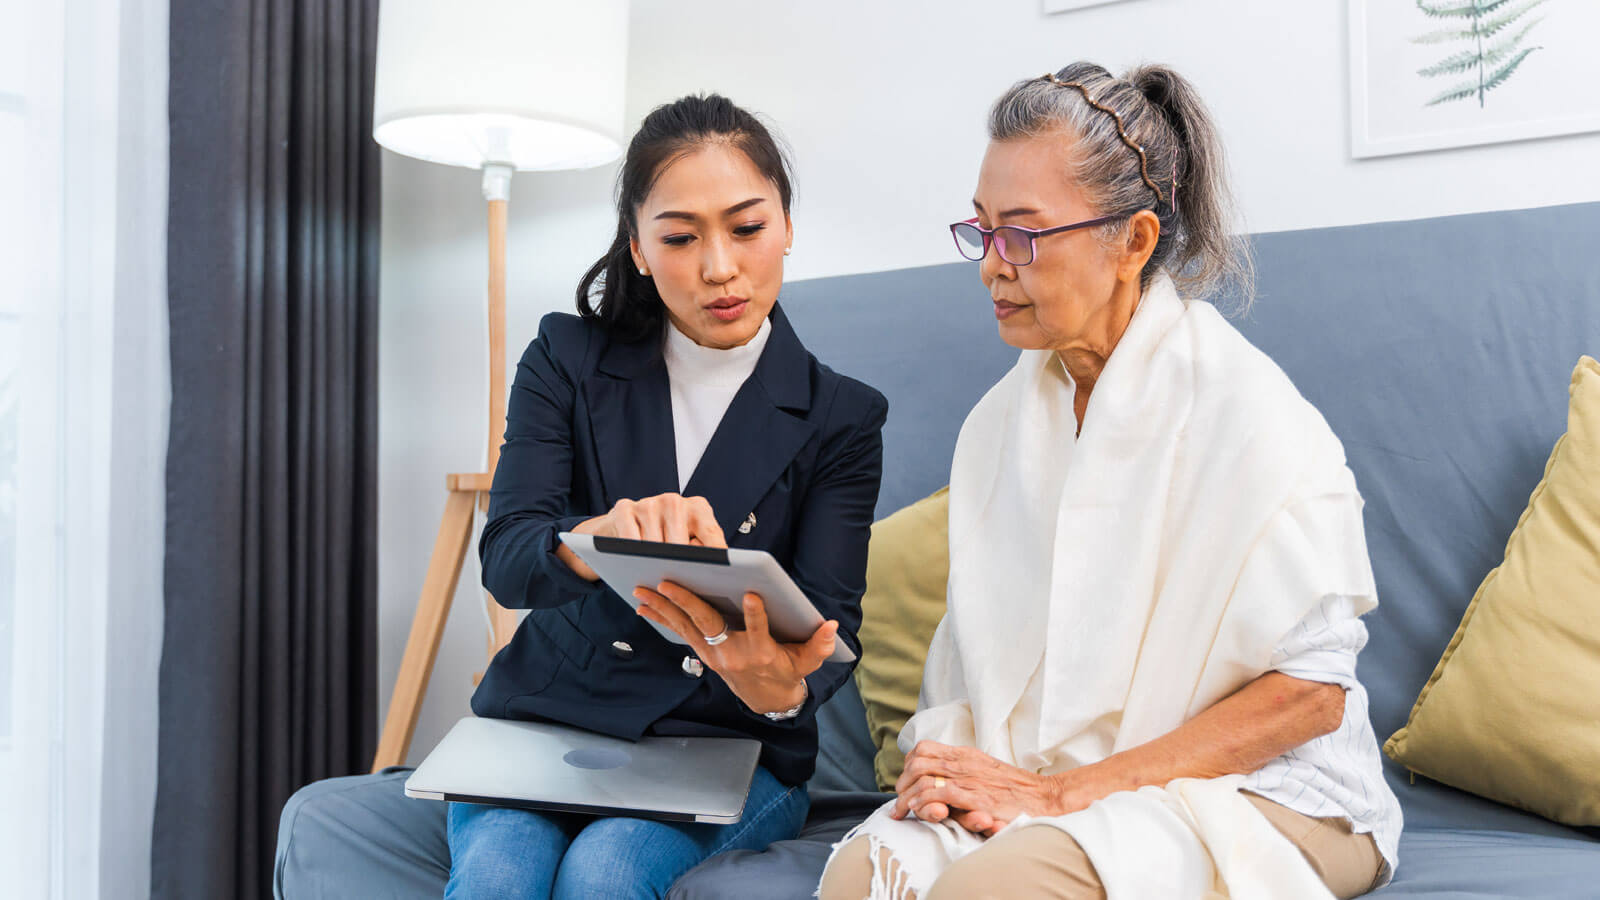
[1154,603]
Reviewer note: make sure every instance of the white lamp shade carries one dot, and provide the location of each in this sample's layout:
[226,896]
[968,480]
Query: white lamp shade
[533,84]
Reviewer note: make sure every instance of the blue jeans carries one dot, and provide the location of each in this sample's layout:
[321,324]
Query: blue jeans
[500,851]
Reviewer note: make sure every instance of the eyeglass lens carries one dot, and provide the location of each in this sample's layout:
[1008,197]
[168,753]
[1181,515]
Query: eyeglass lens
[1014,245]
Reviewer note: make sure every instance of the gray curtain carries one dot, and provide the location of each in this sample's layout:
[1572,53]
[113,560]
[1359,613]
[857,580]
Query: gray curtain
[268,668]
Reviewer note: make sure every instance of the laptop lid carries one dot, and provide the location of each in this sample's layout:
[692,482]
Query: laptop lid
[541,765]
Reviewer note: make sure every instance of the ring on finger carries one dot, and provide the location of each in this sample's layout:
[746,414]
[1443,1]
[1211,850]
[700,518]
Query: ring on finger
[714,639]
[938,781]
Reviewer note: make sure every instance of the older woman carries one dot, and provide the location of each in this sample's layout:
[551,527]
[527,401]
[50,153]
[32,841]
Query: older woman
[1145,682]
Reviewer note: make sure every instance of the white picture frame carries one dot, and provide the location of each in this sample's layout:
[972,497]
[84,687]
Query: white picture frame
[1550,92]
[1050,7]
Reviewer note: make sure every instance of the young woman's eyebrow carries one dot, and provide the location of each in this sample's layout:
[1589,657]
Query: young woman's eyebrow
[691,217]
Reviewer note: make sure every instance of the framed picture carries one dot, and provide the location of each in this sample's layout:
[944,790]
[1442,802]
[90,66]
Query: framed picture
[1429,74]
[1055,6]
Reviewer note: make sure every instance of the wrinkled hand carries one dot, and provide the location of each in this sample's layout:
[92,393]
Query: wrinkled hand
[671,518]
[983,794]
[766,675]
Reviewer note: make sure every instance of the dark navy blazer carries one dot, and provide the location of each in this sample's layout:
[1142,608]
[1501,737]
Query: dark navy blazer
[589,423]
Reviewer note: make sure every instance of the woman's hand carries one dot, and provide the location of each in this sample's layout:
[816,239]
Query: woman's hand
[671,518]
[1238,735]
[983,794]
[766,675]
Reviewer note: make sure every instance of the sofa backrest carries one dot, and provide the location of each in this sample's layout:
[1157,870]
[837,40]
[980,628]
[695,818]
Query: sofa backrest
[1439,351]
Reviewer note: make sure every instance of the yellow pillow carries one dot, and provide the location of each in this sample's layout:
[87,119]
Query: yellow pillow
[908,563]
[1512,711]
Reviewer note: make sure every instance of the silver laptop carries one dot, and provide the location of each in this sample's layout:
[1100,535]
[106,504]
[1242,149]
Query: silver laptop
[552,767]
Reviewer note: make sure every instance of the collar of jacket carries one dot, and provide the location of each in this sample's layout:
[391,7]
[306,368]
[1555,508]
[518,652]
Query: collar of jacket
[783,371]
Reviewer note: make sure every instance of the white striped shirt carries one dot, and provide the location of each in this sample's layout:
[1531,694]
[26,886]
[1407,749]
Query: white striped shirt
[1338,774]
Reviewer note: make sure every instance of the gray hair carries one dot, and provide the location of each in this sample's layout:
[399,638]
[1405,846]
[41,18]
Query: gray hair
[1143,141]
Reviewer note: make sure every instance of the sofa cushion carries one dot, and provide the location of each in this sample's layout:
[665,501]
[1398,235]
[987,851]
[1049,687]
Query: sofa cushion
[907,566]
[844,749]
[787,868]
[1510,711]
[1469,864]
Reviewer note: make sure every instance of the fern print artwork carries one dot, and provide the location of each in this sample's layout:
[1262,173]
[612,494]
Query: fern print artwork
[1493,31]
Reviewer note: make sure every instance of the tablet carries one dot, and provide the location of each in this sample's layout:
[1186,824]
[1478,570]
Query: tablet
[720,577]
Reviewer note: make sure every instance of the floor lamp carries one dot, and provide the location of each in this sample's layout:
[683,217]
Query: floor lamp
[501,86]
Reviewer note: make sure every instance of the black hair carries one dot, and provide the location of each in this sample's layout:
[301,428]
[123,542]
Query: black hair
[628,304]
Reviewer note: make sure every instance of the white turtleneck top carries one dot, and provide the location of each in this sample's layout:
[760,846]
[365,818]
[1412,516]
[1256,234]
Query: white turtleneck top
[703,381]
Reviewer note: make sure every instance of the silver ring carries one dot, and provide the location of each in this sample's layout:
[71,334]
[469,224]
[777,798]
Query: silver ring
[714,639]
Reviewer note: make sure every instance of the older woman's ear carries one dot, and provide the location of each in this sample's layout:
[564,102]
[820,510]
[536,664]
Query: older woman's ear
[1144,230]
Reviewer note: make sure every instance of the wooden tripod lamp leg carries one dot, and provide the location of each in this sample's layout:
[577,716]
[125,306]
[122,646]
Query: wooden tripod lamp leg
[427,627]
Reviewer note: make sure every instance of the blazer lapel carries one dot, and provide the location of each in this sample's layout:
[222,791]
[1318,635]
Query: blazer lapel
[761,432]
[630,418]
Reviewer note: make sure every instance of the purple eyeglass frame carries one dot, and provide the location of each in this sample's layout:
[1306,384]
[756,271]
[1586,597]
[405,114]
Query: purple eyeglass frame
[1032,233]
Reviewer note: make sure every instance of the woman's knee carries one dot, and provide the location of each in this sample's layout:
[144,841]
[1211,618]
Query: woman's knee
[622,858]
[500,852]
[849,873]
[1030,862]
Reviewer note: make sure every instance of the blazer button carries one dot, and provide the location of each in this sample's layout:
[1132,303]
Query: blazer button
[692,667]
[622,649]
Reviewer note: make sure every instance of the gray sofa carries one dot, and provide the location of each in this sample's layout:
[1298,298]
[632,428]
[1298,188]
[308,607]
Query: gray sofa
[1439,351]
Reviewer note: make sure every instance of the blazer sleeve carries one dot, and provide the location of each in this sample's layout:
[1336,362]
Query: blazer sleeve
[530,500]
[831,534]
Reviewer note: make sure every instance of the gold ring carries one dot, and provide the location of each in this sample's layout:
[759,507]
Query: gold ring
[938,781]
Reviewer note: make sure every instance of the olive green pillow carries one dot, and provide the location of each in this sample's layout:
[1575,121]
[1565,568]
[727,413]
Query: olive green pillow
[1512,711]
[907,565]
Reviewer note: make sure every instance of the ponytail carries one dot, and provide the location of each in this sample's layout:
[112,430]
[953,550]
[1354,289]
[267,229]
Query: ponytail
[1210,254]
[629,307]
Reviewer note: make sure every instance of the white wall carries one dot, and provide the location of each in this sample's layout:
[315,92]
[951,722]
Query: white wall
[883,104]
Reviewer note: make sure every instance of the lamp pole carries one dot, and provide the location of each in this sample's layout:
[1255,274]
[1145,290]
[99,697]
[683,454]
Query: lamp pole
[497,191]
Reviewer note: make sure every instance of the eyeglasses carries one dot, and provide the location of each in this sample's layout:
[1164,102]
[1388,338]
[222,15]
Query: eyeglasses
[1014,242]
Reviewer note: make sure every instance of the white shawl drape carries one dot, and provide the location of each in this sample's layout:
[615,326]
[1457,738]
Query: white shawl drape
[1151,603]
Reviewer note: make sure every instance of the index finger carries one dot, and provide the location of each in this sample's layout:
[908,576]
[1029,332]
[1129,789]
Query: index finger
[936,750]
[926,749]
[703,524]
[916,766]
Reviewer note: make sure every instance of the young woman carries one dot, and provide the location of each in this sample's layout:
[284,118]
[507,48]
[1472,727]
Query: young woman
[679,406]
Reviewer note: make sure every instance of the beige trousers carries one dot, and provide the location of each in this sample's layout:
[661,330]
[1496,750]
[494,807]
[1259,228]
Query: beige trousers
[1046,862]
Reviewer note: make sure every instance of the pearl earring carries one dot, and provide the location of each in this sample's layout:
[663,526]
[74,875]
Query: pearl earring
[787,250]
[645,272]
